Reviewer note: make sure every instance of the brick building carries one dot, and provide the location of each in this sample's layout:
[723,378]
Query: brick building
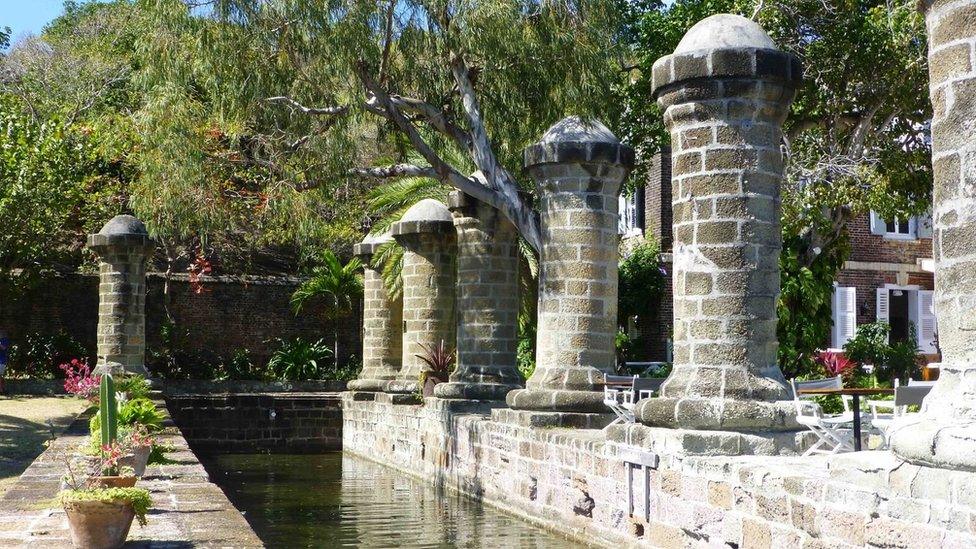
[888,276]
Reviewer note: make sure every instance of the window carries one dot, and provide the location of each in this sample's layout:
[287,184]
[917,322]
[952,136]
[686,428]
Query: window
[628,216]
[905,307]
[909,228]
[898,227]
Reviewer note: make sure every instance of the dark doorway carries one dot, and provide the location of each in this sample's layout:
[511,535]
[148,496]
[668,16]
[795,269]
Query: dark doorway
[898,316]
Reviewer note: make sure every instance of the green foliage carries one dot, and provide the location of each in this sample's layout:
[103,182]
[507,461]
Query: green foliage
[299,360]
[138,498]
[640,282]
[157,454]
[38,355]
[108,411]
[525,351]
[624,345]
[870,345]
[133,386]
[142,411]
[339,285]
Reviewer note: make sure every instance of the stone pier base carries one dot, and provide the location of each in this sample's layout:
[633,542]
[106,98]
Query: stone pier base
[574,481]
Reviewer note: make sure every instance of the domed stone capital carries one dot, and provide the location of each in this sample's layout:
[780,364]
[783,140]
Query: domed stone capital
[426,216]
[574,140]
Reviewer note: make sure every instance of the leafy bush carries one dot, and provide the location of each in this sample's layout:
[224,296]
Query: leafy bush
[640,282]
[299,360]
[869,344]
[133,386]
[525,352]
[40,356]
[142,411]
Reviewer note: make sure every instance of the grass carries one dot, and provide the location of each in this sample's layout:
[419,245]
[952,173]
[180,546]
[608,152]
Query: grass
[26,424]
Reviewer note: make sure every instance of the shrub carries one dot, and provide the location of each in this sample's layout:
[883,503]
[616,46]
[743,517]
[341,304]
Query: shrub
[869,344]
[142,411]
[133,386]
[640,282]
[40,356]
[299,360]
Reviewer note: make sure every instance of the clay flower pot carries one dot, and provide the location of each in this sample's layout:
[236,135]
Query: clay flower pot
[430,381]
[137,459]
[114,482]
[97,524]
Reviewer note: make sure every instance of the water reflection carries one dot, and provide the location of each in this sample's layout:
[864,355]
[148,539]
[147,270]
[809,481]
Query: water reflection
[336,500]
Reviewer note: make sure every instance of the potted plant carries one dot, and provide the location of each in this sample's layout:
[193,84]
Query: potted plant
[99,517]
[138,445]
[439,361]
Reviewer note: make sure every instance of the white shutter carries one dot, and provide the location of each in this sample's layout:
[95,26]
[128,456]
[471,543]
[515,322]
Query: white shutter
[925,225]
[882,305]
[845,315]
[877,224]
[926,322]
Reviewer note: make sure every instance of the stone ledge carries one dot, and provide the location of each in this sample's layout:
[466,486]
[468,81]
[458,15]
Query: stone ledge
[578,152]
[686,442]
[538,419]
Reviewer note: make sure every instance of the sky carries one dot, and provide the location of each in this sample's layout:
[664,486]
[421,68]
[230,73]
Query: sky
[28,16]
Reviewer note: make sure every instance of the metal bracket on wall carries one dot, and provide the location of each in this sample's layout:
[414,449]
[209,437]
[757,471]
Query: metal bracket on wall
[645,461]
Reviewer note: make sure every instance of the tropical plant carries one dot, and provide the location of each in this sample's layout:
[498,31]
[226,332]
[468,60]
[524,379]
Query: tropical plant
[339,285]
[439,359]
[140,411]
[298,360]
[836,364]
[902,361]
[133,386]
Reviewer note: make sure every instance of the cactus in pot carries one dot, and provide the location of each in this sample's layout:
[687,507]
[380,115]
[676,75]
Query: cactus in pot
[108,410]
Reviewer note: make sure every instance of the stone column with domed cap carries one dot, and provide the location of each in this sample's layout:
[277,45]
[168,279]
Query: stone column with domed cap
[725,91]
[122,246]
[944,433]
[488,302]
[426,232]
[578,167]
[382,323]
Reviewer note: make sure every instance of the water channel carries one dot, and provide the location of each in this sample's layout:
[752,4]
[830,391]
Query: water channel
[339,500]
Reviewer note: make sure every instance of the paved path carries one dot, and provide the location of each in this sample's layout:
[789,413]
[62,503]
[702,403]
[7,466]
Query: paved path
[188,510]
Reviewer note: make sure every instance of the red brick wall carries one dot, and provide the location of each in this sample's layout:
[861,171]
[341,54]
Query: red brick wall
[871,247]
[230,313]
[657,199]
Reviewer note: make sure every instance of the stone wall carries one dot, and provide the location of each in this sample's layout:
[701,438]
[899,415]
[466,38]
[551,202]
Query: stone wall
[229,313]
[266,422]
[575,481]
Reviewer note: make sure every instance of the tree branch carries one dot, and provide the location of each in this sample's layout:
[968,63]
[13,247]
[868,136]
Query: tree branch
[316,111]
[396,170]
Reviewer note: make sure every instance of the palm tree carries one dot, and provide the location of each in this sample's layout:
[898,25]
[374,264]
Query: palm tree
[337,283]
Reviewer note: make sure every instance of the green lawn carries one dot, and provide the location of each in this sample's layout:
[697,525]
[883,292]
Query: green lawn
[26,423]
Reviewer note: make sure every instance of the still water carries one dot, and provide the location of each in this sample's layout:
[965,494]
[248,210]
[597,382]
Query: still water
[336,500]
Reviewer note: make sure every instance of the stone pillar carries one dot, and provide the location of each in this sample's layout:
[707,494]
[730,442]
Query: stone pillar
[725,92]
[426,232]
[488,304]
[579,168]
[122,247]
[944,434]
[382,323]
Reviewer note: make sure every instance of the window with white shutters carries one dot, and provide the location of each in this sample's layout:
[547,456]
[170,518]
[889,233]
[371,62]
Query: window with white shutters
[627,222]
[926,322]
[845,316]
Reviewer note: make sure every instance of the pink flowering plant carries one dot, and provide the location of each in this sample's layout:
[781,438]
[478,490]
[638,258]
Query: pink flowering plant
[139,436]
[79,379]
[111,454]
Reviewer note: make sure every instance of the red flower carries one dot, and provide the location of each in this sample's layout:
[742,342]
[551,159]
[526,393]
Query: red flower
[836,363]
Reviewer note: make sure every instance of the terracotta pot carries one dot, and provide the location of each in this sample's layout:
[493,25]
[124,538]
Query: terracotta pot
[97,524]
[137,460]
[429,382]
[114,482]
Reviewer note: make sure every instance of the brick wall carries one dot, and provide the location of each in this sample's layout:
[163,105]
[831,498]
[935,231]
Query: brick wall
[230,313]
[271,422]
[657,199]
[871,247]
[866,282]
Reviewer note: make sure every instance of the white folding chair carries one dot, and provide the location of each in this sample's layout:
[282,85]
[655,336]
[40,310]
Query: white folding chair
[832,437]
[617,391]
[904,396]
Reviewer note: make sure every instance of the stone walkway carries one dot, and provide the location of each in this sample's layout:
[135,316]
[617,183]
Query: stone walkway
[188,510]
